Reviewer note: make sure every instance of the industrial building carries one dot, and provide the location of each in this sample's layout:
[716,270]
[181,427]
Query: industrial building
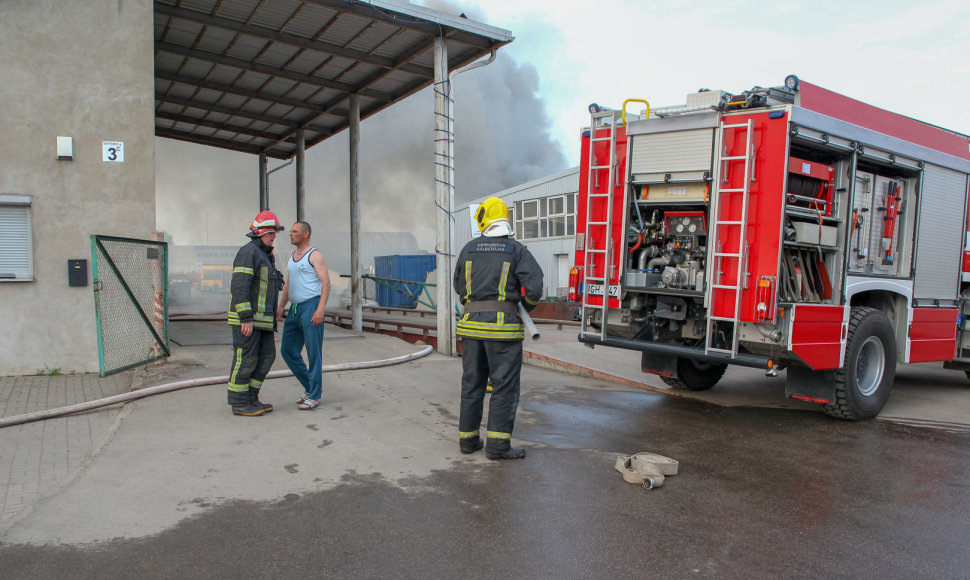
[543,215]
[89,84]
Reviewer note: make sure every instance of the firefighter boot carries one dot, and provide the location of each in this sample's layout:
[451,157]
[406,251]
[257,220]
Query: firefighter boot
[254,401]
[470,444]
[241,404]
[502,449]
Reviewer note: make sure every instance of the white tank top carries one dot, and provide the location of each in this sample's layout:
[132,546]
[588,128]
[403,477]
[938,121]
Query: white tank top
[304,282]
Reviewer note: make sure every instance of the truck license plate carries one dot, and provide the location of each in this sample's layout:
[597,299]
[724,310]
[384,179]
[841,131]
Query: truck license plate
[597,290]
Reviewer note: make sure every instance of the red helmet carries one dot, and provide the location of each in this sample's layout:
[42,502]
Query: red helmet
[264,223]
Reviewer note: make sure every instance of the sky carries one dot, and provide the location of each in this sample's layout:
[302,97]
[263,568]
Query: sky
[909,57]
[520,118]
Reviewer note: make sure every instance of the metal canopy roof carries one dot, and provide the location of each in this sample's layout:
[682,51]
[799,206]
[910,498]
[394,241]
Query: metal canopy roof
[247,74]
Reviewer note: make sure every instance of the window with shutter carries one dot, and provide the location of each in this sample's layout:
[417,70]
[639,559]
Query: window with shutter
[16,248]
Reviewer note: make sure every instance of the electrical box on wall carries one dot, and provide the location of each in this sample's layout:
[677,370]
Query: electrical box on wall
[77,272]
[65,148]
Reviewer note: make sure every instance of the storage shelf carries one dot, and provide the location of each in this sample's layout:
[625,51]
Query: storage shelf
[810,215]
[811,246]
[668,291]
[676,202]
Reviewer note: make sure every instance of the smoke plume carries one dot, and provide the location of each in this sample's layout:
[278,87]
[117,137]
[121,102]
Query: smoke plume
[207,195]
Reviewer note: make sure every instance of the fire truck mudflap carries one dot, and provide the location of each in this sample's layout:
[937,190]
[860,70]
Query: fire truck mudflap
[817,335]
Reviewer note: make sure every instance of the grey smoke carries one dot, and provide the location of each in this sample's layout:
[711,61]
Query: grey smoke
[502,139]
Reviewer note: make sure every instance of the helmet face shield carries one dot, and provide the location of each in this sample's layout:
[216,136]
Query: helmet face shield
[498,229]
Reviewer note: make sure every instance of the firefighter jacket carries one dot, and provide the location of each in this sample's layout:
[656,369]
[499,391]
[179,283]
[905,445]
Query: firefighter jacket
[492,272]
[255,287]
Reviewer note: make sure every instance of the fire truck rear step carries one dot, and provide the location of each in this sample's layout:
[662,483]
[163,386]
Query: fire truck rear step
[743,359]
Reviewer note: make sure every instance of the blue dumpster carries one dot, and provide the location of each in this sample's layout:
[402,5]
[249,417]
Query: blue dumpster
[413,268]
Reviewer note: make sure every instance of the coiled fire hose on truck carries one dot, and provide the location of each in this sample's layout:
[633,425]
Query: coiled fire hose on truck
[169,387]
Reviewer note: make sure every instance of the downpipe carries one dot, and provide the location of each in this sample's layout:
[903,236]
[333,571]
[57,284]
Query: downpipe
[169,387]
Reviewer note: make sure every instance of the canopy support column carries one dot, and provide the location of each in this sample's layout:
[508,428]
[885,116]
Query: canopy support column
[356,301]
[263,184]
[444,197]
[300,176]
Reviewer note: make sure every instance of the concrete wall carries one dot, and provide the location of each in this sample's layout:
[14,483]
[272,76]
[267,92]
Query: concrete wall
[84,69]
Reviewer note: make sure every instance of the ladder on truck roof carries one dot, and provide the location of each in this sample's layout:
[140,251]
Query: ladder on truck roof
[728,221]
[597,260]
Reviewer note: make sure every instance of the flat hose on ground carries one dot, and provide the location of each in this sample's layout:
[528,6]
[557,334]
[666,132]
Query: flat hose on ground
[166,388]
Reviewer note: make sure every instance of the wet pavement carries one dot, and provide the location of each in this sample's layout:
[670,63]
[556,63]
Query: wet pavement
[372,486]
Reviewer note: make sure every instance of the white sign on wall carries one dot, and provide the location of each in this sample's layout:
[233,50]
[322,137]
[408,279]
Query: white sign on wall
[113,151]
[472,209]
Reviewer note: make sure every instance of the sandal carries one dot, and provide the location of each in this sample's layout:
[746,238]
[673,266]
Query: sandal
[308,405]
[303,397]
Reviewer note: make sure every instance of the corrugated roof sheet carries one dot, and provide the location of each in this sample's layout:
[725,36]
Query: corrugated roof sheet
[248,74]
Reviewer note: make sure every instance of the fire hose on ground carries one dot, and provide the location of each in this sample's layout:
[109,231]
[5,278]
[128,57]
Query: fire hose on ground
[646,469]
[169,387]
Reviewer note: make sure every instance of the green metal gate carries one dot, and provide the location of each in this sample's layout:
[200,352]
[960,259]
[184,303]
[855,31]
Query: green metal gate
[130,300]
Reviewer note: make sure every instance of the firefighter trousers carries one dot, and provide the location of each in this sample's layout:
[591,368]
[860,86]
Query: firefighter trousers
[500,361]
[252,357]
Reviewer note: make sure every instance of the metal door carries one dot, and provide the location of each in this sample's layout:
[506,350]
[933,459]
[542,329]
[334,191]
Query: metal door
[130,301]
[942,229]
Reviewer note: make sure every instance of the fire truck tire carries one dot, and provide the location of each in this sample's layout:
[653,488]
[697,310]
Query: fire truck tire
[695,375]
[863,383]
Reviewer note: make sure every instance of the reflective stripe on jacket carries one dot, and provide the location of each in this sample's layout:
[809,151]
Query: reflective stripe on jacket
[254,288]
[496,269]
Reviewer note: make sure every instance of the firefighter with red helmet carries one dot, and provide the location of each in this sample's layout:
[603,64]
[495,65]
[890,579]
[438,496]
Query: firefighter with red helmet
[492,274]
[252,315]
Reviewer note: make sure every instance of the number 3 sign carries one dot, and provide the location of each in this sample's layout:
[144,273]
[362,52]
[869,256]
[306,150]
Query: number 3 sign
[113,151]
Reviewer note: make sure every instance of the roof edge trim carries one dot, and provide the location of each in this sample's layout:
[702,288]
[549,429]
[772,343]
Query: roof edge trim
[456,22]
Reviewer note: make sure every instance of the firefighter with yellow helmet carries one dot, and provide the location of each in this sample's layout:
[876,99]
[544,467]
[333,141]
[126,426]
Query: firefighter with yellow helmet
[252,315]
[492,274]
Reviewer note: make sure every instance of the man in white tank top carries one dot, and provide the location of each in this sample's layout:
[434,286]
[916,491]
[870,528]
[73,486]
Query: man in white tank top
[307,289]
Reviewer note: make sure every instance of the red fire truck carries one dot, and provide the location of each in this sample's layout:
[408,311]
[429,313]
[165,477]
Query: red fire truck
[780,228]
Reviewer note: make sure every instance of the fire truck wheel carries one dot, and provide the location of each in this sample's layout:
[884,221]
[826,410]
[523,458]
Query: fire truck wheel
[863,383]
[695,375]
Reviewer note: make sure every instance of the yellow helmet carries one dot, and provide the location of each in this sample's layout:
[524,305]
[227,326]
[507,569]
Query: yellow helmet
[492,218]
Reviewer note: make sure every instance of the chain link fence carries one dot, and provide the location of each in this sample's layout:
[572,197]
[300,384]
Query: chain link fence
[130,286]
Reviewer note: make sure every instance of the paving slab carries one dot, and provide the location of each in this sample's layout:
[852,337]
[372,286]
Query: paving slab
[36,459]
[220,458]
[210,456]
[377,489]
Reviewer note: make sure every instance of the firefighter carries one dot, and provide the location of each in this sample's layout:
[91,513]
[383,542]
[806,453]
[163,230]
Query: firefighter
[492,274]
[252,315]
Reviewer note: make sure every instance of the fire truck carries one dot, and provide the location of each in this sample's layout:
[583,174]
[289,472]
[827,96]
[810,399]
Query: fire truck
[783,228]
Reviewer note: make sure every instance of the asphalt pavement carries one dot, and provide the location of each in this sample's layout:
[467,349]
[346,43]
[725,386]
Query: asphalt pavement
[372,484]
